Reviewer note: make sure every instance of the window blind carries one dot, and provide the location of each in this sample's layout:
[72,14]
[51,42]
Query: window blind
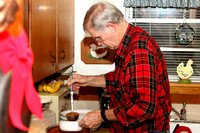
[161,23]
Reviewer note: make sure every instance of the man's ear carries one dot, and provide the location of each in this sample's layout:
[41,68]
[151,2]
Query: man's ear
[112,26]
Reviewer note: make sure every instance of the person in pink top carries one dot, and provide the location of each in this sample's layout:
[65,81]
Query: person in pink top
[16,57]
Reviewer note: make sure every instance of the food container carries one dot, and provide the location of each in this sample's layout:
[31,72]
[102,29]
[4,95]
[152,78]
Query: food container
[66,125]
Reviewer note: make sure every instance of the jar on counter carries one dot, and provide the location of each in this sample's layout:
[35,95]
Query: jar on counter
[105,104]
[105,100]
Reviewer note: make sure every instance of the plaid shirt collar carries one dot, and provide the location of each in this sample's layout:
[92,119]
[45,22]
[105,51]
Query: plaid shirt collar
[125,42]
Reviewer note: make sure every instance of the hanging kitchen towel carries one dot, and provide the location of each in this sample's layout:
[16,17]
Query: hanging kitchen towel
[17,56]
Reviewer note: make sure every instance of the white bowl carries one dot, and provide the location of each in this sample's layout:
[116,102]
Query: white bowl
[66,125]
[69,126]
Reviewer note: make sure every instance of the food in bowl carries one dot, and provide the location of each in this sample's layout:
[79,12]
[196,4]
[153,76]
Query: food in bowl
[72,116]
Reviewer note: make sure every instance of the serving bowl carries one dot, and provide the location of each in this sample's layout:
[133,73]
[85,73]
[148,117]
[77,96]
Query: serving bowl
[66,125]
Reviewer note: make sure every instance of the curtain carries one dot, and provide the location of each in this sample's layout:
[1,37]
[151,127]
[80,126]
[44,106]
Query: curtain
[162,3]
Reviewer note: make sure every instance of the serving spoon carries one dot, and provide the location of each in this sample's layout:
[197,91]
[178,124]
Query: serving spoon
[72,116]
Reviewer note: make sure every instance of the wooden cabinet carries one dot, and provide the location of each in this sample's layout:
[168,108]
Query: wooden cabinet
[65,33]
[42,37]
[50,28]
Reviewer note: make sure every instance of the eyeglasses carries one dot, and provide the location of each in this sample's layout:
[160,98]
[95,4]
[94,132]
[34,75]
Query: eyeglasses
[98,39]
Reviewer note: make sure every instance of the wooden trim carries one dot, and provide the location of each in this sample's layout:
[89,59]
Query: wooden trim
[193,88]
[185,98]
[188,93]
[57,50]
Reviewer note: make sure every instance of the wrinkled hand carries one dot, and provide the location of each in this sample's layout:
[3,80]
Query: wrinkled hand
[77,81]
[91,120]
[8,9]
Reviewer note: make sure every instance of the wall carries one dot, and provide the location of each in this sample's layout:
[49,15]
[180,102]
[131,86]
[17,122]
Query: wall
[81,7]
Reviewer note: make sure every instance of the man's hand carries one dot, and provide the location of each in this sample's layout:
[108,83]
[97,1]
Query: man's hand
[91,120]
[77,81]
[8,9]
[84,80]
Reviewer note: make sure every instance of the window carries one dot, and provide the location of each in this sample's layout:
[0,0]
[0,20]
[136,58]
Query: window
[161,23]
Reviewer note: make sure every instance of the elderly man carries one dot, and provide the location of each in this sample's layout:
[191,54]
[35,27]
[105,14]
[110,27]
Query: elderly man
[139,85]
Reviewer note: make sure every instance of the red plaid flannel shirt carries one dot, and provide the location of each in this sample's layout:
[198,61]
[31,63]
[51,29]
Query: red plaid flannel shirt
[139,86]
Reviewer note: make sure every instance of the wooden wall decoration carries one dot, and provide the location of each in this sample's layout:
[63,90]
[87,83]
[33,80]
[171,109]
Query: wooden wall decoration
[93,54]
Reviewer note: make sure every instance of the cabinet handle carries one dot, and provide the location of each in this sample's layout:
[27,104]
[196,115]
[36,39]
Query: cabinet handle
[53,59]
[62,55]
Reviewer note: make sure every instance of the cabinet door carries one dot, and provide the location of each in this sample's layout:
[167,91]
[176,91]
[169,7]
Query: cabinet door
[42,37]
[65,50]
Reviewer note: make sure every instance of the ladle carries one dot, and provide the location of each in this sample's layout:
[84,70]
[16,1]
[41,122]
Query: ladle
[72,116]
